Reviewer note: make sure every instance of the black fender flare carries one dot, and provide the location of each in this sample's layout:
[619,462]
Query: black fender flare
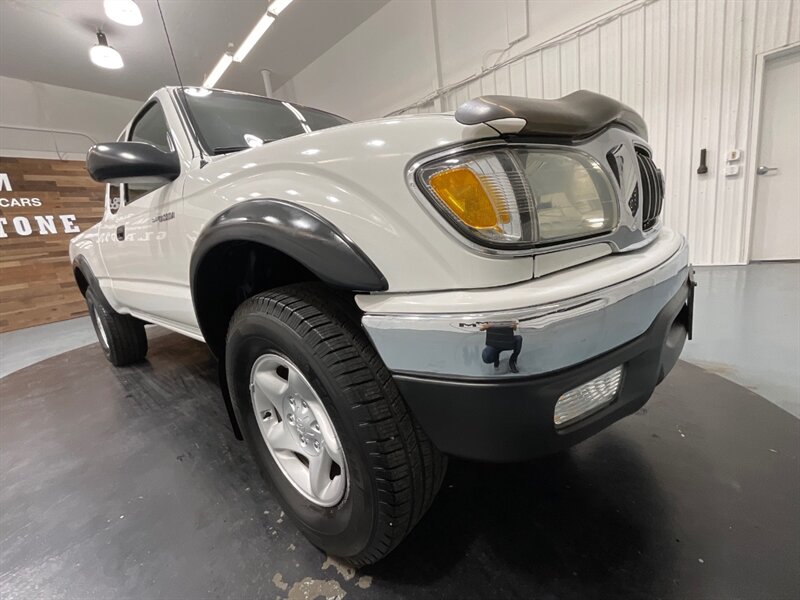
[296,231]
[81,264]
[293,230]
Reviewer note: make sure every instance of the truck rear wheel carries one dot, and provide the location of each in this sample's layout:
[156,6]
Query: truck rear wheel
[122,337]
[326,423]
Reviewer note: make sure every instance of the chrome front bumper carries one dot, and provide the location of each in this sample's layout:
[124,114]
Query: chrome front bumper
[529,341]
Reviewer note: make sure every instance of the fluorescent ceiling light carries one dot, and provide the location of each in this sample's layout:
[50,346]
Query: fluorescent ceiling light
[104,55]
[253,37]
[277,6]
[224,62]
[124,12]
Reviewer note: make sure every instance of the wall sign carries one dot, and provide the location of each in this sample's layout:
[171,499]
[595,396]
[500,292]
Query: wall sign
[45,224]
[43,203]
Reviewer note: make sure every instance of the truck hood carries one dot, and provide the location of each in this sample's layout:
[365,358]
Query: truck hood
[402,135]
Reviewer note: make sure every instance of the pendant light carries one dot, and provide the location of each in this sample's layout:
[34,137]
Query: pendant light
[104,55]
[124,12]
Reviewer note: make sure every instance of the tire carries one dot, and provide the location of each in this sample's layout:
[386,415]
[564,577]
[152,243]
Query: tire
[122,337]
[393,471]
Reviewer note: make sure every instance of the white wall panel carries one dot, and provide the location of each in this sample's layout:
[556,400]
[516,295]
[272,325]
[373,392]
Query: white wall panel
[533,75]
[570,66]
[589,60]
[551,72]
[519,84]
[502,81]
[686,65]
[31,105]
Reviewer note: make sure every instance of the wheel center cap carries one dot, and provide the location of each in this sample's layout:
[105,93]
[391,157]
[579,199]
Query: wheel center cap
[302,425]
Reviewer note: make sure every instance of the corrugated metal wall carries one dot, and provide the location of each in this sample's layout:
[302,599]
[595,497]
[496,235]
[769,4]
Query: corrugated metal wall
[688,67]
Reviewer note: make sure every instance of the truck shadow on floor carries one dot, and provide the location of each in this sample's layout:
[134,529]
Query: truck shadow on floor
[568,521]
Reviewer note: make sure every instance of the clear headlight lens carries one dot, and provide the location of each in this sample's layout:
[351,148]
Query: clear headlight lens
[518,198]
[573,196]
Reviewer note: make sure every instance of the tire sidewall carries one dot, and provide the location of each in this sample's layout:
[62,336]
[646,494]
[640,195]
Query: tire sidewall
[97,315]
[346,528]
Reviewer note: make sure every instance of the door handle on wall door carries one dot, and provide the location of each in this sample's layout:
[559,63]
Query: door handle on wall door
[121,233]
[762,170]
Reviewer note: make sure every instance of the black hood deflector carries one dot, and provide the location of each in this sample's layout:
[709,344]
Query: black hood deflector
[578,115]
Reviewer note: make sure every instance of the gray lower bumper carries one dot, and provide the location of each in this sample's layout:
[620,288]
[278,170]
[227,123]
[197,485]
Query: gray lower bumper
[527,341]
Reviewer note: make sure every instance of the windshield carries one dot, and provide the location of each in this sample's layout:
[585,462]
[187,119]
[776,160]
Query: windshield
[228,122]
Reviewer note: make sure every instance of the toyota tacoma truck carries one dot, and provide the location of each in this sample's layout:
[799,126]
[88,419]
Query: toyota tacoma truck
[494,284]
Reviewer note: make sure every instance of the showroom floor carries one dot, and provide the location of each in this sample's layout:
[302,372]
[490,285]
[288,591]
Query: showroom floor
[748,328]
[128,483]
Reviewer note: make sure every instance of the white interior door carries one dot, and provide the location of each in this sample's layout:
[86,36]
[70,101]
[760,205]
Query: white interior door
[776,223]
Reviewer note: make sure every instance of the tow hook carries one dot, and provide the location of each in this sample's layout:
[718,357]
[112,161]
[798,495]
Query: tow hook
[499,338]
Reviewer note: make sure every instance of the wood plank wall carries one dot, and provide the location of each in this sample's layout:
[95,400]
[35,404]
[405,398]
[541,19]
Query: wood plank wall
[36,281]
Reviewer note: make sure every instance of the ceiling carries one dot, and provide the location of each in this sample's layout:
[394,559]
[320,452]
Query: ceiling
[49,41]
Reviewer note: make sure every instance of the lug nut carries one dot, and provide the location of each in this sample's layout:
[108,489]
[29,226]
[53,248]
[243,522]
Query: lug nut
[315,426]
[291,418]
[316,445]
[304,404]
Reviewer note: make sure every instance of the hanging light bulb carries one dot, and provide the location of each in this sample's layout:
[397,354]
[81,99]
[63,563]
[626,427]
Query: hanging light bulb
[124,12]
[104,55]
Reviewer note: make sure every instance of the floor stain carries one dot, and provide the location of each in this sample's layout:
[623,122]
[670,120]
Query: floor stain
[279,582]
[364,581]
[344,569]
[311,589]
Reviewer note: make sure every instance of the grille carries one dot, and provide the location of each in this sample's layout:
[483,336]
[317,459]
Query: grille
[651,194]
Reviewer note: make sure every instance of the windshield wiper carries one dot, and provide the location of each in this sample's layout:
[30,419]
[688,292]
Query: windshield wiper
[229,149]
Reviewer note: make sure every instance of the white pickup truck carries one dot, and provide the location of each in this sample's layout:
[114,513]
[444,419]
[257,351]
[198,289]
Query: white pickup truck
[494,284]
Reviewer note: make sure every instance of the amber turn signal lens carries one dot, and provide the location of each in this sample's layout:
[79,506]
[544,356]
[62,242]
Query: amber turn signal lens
[464,194]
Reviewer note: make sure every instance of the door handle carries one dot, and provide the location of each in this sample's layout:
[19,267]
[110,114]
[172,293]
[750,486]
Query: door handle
[762,170]
[121,233]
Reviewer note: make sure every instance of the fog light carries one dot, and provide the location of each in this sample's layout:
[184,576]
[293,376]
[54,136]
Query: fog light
[585,399]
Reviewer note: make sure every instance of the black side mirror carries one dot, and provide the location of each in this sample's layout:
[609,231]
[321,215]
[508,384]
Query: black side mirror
[131,162]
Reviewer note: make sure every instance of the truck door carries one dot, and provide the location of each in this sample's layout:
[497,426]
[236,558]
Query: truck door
[141,239]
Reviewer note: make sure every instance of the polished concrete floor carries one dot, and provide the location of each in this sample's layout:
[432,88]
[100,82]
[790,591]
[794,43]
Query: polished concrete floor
[127,483]
[747,328]
[24,347]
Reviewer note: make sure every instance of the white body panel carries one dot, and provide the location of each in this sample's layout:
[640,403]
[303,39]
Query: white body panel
[556,287]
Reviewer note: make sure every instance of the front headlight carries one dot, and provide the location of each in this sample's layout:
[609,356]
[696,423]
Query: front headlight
[520,198]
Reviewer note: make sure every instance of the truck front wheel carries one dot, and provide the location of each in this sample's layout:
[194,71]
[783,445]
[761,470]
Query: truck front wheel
[326,423]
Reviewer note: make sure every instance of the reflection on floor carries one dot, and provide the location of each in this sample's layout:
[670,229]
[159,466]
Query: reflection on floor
[24,347]
[747,328]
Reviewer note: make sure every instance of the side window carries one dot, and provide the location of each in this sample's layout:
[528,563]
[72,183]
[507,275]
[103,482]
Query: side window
[151,128]
[114,198]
